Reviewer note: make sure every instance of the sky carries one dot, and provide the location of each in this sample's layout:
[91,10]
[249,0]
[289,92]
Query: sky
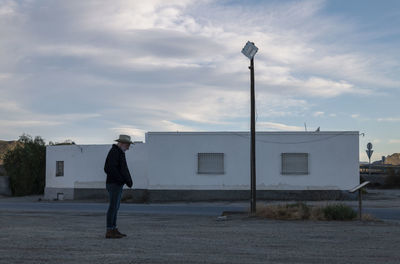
[90,70]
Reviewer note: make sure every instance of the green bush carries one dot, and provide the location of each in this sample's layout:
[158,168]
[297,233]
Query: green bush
[392,180]
[26,165]
[339,212]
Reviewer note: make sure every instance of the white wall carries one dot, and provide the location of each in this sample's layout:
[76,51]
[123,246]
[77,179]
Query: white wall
[168,160]
[84,165]
[333,160]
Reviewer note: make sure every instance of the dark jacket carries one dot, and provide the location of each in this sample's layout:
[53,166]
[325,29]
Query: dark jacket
[116,168]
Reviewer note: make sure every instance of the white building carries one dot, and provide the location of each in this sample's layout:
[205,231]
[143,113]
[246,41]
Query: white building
[214,166]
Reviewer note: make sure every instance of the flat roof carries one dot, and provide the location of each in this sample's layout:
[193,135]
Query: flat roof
[257,132]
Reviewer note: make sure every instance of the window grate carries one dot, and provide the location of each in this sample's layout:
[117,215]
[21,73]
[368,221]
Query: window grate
[294,163]
[59,168]
[210,163]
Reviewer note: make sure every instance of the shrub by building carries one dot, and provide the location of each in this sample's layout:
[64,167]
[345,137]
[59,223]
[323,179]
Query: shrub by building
[26,165]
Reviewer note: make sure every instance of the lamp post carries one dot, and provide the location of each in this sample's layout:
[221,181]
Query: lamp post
[249,51]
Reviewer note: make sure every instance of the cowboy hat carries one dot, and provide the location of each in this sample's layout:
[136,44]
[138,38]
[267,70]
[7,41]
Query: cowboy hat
[124,139]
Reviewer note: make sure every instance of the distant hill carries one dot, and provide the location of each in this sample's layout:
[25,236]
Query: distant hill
[393,159]
[4,147]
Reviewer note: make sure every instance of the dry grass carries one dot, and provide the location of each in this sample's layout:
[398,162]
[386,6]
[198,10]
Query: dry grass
[302,211]
[370,218]
[297,211]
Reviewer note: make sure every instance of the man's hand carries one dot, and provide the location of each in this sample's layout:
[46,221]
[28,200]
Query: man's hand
[129,183]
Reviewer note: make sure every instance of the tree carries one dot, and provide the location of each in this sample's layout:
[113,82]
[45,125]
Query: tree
[26,166]
[392,180]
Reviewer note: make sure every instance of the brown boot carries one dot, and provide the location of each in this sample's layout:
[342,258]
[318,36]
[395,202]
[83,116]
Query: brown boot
[112,234]
[119,233]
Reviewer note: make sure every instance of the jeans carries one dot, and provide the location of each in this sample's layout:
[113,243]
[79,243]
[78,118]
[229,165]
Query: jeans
[114,193]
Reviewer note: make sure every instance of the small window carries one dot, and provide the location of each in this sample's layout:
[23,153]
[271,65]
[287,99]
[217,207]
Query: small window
[294,163]
[210,163]
[59,168]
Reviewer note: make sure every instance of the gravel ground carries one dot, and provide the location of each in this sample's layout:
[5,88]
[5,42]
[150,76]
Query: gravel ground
[79,238]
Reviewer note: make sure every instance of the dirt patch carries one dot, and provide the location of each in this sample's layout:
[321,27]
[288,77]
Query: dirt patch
[79,238]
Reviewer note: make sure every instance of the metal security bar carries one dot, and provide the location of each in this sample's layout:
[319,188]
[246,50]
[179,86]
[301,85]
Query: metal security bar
[294,163]
[210,163]
[59,168]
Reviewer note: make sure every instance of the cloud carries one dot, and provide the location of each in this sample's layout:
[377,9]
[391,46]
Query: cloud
[318,113]
[327,88]
[28,123]
[138,134]
[16,120]
[389,119]
[394,141]
[85,67]
[5,75]
[278,127]
[7,9]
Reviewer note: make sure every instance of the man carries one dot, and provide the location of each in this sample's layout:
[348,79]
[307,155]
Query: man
[117,175]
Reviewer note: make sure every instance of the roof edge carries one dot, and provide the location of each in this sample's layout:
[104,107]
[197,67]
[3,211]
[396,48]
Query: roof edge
[247,132]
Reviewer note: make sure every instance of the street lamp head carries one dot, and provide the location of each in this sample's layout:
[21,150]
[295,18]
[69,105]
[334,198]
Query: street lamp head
[249,50]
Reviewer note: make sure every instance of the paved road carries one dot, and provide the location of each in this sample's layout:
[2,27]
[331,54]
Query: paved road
[384,213]
[206,209]
[174,209]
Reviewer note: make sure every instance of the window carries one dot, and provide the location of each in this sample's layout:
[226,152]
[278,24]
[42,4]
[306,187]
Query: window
[59,168]
[294,163]
[210,163]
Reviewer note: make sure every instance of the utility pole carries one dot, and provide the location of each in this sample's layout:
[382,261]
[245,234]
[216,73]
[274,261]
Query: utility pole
[249,51]
[253,140]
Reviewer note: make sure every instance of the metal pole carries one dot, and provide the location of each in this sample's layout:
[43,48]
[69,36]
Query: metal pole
[253,141]
[359,203]
[369,168]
